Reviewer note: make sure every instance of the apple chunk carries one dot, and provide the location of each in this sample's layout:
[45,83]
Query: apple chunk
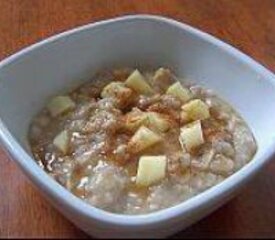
[142,139]
[163,78]
[191,135]
[61,141]
[158,122]
[134,119]
[137,82]
[196,109]
[118,91]
[59,105]
[179,92]
[151,169]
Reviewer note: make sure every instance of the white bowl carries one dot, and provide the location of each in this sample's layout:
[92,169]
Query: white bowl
[30,77]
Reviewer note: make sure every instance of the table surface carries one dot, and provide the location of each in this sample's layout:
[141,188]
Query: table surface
[248,25]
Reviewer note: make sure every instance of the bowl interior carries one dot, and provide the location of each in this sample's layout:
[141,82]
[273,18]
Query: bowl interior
[31,77]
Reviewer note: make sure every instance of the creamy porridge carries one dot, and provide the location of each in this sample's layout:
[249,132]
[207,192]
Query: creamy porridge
[132,143]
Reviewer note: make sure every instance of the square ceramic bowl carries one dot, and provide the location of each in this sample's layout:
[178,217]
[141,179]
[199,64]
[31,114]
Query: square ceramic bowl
[30,77]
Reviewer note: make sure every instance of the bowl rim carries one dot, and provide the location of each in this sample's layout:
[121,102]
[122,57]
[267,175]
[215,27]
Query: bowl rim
[49,185]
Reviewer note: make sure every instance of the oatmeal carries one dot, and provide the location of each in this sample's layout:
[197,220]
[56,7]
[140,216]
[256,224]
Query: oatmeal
[132,143]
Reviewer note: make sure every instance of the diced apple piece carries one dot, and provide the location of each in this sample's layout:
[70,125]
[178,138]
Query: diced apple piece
[163,78]
[179,91]
[113,89]
[119,92]
[184,118]
[61,141]
[196,109]
[162,73]
[153,120]
[135,119]
[137,82]
[59,105]
[151,169]
[142,139]
[191,135]
[158,122]
[203,162]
